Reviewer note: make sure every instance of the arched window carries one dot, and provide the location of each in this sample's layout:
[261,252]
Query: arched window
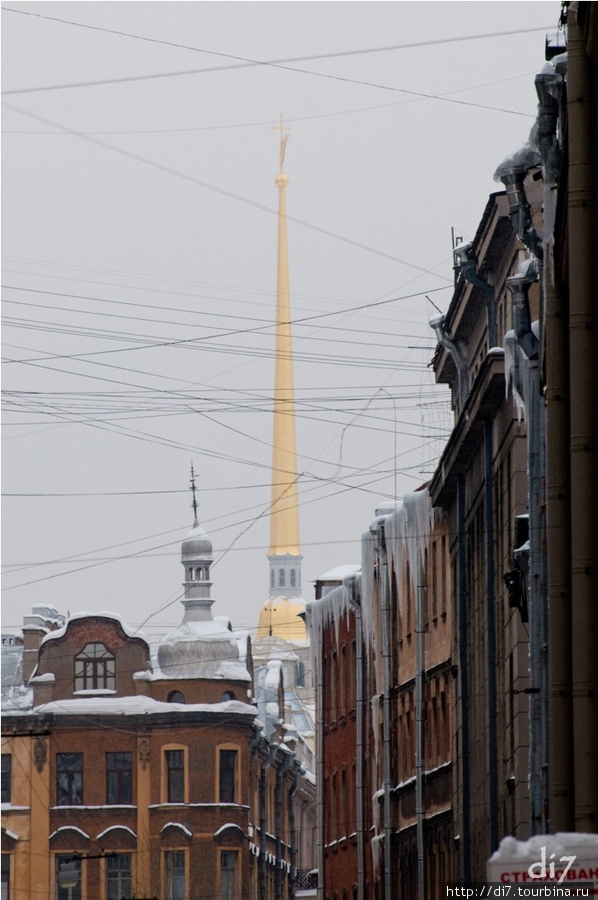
[176,697]
[281,578]
[95,669]
[272,578]
[293,578]
[189,574]
[227,695]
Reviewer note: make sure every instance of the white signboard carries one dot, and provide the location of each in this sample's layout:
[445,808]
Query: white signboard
[565,859]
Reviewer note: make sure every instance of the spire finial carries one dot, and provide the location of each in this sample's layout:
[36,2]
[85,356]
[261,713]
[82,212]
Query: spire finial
[284,136]
[194,501]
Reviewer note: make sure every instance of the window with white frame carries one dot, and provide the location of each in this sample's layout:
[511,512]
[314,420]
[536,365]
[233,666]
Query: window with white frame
[95,668]
[119,876]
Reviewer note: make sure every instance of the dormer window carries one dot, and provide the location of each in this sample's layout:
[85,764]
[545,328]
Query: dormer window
[95,668]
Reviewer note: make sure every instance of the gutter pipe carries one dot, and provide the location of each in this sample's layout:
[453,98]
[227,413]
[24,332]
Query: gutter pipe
[467,263]
[491,645]
[419,732]
[464,676]
[519,285]
[262,892]
[319,673]
[377,529]
[293,831]
[582,216]
[437,326]
[355,601]
[280,774]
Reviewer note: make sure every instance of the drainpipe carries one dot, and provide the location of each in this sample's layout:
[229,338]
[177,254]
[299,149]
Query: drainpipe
[464,674]
[262,886]
[355,600]
[293,831]
[377,529]
[318,658]
[583,289]
[467,263]
[419,731]
[512,173]
[519,285]
[555,367]
[437,326]
[491,639]
[280,774]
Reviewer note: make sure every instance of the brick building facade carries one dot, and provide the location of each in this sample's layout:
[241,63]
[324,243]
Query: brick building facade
[124,777]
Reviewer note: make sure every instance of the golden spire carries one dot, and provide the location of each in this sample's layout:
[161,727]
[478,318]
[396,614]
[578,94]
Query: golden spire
[284,516]
[280,616]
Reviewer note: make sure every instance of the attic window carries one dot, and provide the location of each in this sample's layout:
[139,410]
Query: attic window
[95,668]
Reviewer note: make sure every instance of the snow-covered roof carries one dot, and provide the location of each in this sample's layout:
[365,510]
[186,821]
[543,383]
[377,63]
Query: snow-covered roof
[340,572]
[60,632]
[137,706]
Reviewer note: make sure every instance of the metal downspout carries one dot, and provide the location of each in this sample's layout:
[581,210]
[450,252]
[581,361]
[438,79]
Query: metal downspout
[280,774]
[538,699]
[293,832]
[319,666]
[359,728]
[262,893]
[583,241]
[555,364]
[419,732]
[437,326]
[468,265]
[464,676]
[378,531]
[491,645]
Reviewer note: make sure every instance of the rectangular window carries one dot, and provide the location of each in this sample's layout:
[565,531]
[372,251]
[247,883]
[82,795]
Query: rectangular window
[119,778]
[6,777]
[228,765]
[228,875]
[119,881]
[175,776]
[69,878]
[5,892]
[69,779]
[175,875]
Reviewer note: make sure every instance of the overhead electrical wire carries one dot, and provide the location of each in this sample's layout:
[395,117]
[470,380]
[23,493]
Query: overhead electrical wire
[244,62]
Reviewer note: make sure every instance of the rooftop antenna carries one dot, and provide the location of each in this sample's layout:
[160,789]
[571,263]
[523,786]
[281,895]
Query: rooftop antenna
[194,501]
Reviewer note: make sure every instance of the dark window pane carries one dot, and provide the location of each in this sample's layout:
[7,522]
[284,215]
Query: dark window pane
[175,875]
[175,766]
[228,759]
[119,778]
[5,886]
[6,777]
[69,779]
[66,864]
[119,880]
[228,868]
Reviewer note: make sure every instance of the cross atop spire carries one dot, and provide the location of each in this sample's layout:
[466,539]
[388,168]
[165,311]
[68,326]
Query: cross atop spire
[194,501]
[284,136]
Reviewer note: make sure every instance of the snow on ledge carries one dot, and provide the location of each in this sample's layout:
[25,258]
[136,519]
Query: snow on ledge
[10,834]
[69,828]
[115,828]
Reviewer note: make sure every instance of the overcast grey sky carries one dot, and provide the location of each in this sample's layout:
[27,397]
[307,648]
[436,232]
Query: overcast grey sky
[139,274]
